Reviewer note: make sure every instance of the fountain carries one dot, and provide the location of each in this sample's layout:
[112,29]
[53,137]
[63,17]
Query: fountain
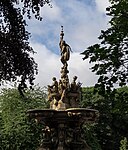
[64,120]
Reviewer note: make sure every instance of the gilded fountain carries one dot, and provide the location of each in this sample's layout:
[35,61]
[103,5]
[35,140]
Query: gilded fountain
[63,121]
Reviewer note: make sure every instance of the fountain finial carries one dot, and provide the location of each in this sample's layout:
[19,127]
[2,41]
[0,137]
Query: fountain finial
[62,33]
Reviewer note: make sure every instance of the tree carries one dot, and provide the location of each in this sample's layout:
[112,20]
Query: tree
[17,132]
[15,61]
[110,57]
[111,126]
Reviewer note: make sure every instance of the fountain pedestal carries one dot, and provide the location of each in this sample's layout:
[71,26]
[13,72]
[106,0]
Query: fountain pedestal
[63,129]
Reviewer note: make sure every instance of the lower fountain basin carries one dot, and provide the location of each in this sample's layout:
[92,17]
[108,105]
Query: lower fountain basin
[62,129]
[53,117]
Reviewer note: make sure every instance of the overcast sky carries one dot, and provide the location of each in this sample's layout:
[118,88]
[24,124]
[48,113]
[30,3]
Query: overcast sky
[82,20]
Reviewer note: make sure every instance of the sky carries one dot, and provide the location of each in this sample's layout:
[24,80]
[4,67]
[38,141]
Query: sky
[82,21]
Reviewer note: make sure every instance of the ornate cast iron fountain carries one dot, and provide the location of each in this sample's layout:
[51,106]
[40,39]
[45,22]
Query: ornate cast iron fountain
[64,119]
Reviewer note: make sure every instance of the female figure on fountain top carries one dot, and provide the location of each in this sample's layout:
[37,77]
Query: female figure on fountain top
[65,49]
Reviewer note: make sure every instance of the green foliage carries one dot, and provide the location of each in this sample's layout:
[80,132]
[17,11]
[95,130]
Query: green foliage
[110,57]
[17,132]
[91,138]
[124,144]
[113,120]
[15,61]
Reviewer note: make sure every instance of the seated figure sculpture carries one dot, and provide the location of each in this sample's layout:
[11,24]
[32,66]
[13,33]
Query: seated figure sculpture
[75,93]
[74,87]
[53,93]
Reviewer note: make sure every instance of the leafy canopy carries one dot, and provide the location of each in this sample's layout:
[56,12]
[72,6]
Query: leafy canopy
[111,128]
[15,60]
[110,57]
[17,132]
